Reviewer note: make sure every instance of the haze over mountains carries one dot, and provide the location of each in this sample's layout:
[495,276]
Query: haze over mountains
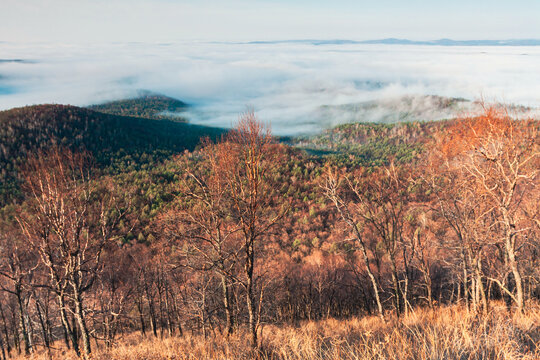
[394,41]
[299,86]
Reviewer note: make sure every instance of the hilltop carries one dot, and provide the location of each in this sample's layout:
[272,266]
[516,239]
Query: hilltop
[147,105]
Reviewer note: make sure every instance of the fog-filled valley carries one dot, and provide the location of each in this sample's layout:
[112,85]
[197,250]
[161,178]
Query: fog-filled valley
[273,200]
[299,87]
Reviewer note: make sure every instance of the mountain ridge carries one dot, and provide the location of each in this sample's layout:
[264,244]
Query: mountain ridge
[397,41]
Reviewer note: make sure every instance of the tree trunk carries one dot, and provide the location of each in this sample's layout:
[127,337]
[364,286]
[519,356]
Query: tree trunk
[3,353]
[178,317]
[227,306]
[203,311]
[141,317]
[15,331]
[79,315]
[22,321]
[405,292]
[67,327]
[345,215]
[368,269]
[168,313]
[465,277]
[66,336]
[427,278]
[250,301]
[6,333]
[510,247]
[153,322]
[43,326]
[480,284]
[512,262]
[30,330]
[160,303]
[395,281]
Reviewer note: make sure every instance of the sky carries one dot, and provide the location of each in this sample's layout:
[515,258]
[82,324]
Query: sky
[98,21]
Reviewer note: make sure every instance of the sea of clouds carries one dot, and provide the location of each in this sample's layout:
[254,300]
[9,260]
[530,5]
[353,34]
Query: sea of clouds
[299,88]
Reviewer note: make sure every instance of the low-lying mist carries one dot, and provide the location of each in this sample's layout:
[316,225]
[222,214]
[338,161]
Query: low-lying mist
[299,88]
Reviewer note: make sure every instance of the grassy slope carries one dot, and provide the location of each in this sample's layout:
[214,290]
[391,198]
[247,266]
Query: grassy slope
[444,333]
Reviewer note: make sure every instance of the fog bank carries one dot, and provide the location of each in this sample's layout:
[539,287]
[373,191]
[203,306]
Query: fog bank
[298,87]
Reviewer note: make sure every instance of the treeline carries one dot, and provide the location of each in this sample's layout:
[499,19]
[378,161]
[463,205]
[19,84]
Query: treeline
[245,232]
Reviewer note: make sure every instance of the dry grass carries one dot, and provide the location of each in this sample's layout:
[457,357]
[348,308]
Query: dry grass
[446,333]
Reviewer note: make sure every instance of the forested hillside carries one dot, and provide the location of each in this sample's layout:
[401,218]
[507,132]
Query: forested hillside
[116,142]
[374,143]
[149,106]
[414,240]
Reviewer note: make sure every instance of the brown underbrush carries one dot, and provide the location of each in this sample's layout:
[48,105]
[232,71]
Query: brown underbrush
[450,332]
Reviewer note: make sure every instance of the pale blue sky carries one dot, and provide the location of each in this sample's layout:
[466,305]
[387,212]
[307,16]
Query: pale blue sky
[170,20]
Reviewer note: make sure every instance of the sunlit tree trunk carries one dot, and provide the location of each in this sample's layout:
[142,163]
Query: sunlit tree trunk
[229,322]
[81,321]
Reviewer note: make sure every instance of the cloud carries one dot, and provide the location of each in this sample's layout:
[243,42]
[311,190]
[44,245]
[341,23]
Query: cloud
[287,84]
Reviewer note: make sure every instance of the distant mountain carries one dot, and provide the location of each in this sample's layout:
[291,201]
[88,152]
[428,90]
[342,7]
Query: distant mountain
[307,41]
[394,41]
[395,110]
[147,105]
[450,42]
[11,60]
[117,142]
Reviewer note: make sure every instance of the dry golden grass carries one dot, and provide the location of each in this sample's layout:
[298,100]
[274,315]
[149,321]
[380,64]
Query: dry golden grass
[446,333]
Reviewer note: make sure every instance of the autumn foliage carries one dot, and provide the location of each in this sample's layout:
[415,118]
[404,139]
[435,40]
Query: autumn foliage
[247,248]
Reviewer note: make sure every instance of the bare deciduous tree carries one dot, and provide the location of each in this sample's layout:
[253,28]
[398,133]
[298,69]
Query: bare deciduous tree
[69,220]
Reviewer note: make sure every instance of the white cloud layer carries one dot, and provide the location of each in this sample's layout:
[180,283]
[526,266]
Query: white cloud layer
[285,83]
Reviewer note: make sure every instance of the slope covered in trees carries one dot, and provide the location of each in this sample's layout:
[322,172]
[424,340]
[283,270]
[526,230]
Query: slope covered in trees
[374,143]
[213,247]
[115,141]
[149,105]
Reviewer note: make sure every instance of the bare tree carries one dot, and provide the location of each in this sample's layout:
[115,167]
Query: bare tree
[204,223]
[68,221]
[332,185]
[17,266]
[248,160]
[500,156]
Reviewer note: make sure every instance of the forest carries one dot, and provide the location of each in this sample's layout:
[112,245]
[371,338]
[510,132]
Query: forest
[133,237]
[147,105]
